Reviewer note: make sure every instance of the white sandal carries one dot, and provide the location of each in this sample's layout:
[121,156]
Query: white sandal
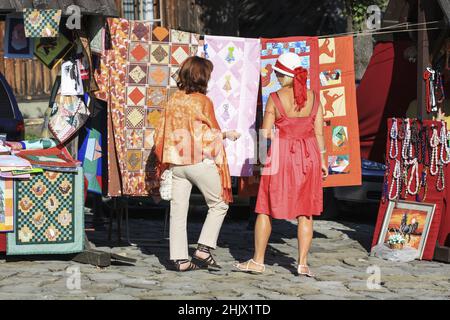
[309,274]
[247,269]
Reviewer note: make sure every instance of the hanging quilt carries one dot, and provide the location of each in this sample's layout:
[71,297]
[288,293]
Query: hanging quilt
[152,56]
[16,45]
[271,49]
[51,51]
[233,88]
[42,23]
[97,34]
[6,205]
[49,214]
[90,154]
[114,85]
[68,115]
[338,98]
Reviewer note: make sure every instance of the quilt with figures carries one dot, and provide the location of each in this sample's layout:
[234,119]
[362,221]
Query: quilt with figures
[49,215]
[306,47]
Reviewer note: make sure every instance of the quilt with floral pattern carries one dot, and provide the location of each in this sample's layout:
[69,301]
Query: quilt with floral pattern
[49,217]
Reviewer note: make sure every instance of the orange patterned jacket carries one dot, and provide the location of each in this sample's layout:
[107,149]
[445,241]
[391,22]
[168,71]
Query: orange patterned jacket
[188,133]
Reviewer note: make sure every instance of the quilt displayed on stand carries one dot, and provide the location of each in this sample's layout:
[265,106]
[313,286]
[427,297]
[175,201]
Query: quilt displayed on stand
[6,205]
[152,56]
[338,98]
[49,214]
[233,90]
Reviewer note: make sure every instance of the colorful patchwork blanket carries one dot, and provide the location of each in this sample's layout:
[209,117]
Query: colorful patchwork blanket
[49,214]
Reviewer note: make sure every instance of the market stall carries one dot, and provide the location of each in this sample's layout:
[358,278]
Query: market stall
[42,187]
[414,212]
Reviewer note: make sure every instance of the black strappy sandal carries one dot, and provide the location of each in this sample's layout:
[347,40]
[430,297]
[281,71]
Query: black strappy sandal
[208,262]
[192,266]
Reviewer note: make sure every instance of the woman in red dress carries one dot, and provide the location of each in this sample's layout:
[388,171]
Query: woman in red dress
[291,182]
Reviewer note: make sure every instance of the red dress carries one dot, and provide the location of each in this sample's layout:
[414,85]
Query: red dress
[291,181]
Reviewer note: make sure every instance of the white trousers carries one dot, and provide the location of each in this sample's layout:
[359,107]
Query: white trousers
[206,178]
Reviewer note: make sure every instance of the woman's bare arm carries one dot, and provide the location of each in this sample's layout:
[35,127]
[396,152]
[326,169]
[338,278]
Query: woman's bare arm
[318,129]
[269,119]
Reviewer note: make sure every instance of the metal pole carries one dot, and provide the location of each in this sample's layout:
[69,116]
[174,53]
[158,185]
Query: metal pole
[423,61]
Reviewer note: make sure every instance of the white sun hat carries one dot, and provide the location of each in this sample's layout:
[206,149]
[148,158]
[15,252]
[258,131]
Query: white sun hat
[287,63]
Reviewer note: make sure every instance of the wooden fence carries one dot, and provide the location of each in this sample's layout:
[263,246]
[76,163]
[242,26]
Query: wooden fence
[30,79]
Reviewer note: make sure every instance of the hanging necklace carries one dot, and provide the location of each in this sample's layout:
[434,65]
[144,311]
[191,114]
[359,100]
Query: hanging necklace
[423,146]
[384,196]
[423,185]
[414,176]
[440,183]
[401,131]
[434,143]
[396,176]
[415,139]
[444,145]
[394,141]
[406,147]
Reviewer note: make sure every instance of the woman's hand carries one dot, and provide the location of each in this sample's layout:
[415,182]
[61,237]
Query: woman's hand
[324,170]
[232,135]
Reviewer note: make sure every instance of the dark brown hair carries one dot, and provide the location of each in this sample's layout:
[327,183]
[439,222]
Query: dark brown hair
[194,75]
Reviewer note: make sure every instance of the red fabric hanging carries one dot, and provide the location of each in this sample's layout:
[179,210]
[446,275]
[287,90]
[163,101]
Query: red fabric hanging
[388,87]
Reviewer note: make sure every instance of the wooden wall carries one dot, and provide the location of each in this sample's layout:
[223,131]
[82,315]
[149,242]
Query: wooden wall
[201,16]
[30,79]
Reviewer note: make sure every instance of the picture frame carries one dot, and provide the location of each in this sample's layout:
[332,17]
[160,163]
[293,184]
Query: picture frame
[16,44]
[412,220]
[51,51]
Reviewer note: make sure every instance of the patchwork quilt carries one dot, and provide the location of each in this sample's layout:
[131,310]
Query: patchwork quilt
[233,88]
[306,47]
[42,23]
[49,214]
[90,155]
[152,56]
[6,205]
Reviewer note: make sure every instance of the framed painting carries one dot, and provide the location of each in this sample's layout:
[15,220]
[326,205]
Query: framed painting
[17,45]
[50,51]
[411,220]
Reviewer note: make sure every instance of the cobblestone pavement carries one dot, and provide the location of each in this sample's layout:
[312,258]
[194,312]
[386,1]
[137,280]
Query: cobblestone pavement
[338,257]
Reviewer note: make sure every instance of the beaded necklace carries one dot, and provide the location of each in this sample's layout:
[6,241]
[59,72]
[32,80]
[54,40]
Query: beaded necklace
[384,196]
[415,139]
[406,147]
[423,146]
[444,145]
[394,139]
[423,185]
[440,183]
[395,181]
[414,176]
[434,144]
[401,131]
